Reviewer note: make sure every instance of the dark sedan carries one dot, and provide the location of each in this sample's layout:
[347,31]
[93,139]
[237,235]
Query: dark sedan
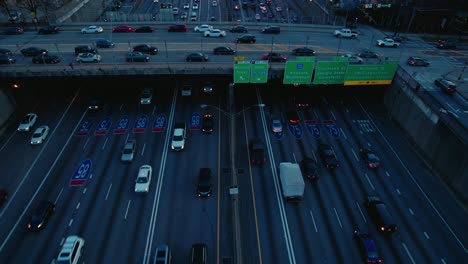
[367,54]
[246,39]
[224,51]
[239,29]
[51,29]
[207,123]
[144,29]
[274,57]
[136,56]
[196,56]
[41,215]
[304,51]
[7,59]
[310,168]
[257,152]
[417,61]
[104,43]
[33,51]
[370,158]
[143,48]
[46,59]
[14,30]
[5,52]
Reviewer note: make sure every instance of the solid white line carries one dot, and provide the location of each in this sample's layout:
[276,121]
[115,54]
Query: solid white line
[58,196]
[313,220]
[413,179]
[38,189]
[343,133]
[128,206]
[108,191]
[409,254]
[77,206]
[105,142]
[337,217]
[368,180]
[355,155]
[86,143]
[426,235]
[360,211]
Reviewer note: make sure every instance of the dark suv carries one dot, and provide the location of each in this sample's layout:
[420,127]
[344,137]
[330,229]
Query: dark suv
[271,29]
[246,39]
[85,49]
[380,215]
[177,28]
[204,186]
[41,215]
[367,247]
[257,150]
[445,85]
[49,30]
[449,43]
[328,156]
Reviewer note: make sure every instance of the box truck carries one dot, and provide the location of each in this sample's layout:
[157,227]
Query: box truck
[292,182]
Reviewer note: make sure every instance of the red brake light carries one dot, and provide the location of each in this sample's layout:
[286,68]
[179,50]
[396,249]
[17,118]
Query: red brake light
[382,228]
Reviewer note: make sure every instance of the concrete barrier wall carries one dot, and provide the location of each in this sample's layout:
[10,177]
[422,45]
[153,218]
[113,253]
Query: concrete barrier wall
[7,108]
[432,133]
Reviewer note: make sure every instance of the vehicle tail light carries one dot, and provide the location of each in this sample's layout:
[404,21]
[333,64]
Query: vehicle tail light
[382,228]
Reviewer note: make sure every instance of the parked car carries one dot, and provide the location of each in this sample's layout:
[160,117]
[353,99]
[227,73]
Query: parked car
[41,215]
[144,48]
[104,43]
[417,61]
[88,57]
[40,135]
[239,29]
[84,49]
[177,28]
[144,29]
[46,59]
[274,57]
[27,122]
[304,51]
[33,51]
[246,39]
[92,30]
[445,85]
[122,29]
[50,29]
[7,59]
[196,56]
[136,56]
[224,51]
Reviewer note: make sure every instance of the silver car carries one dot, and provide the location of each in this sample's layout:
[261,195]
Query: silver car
[39,135]
[27,123]
[128,152]
[276,124]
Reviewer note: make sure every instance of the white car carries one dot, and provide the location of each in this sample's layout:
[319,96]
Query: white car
[27,123]
[203,28]
[39,135]
[353,59]
[186,6]
[195,6]
[215,33]
[387,42]
[257,17]
[88,57]
[214,3]
[92,29]
[175,10]
[143,180]
[178,138]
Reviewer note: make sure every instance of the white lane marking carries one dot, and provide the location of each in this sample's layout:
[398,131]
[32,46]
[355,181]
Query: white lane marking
[108,191]
[315,114]
[411,211]
[413,179]
[386,173]
[337,217]
[154,110]
[398,191]
[426,235]
[407,252]
[58,196]
[71,222]
[105,143]
[86,143]
[77,206]
[128,206]
[360,211]
[343,133]
[354,154]
[443,261]
[333,115]
[313,220]
[128,135]
[143,149]
[453,108]
[84,190]
[294,158]
[90,176]
[368,180]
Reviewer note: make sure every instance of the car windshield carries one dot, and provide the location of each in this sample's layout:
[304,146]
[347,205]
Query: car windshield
[373,158]
[178,138]
[142,180]
[328,152]
[127,151]
[36,135]
[25,120]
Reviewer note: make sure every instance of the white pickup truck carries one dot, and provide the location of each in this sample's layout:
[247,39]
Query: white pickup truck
[387,42]
[345,33]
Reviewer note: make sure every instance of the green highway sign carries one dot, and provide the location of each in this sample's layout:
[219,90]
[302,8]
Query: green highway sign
[242,72]
[330,72]
[259,71]
[371,74]
[299,72]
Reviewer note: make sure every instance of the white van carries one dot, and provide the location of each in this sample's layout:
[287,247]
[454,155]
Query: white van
[71,251]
